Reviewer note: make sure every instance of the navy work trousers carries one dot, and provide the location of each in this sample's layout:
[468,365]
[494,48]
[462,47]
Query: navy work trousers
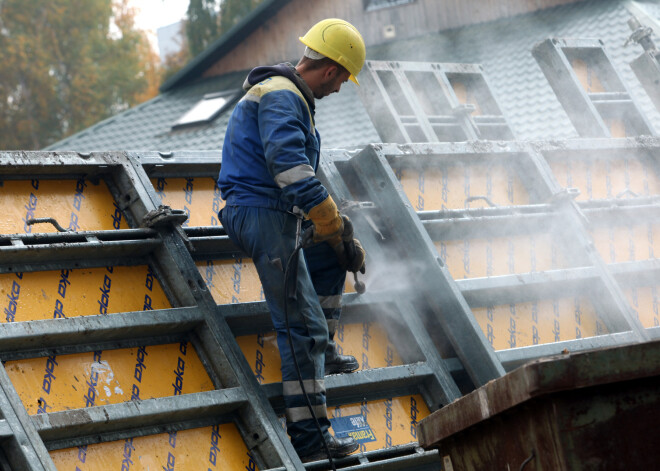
[268,237]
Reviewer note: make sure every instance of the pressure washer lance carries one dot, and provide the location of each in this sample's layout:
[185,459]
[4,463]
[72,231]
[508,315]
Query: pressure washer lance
[350,207]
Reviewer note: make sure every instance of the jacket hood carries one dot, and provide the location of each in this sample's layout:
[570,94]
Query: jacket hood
[286,69]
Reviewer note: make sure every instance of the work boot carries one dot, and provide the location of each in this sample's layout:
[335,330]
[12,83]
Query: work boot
[336,363]
[338,447]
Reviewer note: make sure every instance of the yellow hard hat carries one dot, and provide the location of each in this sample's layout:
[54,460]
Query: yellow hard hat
[339,41]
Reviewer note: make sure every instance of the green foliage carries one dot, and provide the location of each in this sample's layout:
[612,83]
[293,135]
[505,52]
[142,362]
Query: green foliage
[202,25]
[233,11]
[64,68]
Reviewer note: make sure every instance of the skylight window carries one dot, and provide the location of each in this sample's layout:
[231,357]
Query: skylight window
[206,110]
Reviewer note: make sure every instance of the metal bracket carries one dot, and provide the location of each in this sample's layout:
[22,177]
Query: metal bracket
[627,191]
[52,221]
[165,215]
[640,35]
[564,195]
[488,201]
[347,206]
[464,109]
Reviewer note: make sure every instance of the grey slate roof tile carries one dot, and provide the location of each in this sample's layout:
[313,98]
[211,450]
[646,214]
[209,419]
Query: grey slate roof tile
[503,47]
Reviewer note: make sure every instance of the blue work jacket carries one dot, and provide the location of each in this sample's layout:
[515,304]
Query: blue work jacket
[271,149]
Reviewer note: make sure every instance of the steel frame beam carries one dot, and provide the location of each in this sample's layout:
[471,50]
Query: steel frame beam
[32,339]
[36,252]
[398,458]
[24,449]
[647,70]
[443,389]
[647,65]
[136,418]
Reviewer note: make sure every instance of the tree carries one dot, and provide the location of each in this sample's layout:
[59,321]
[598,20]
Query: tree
[175,61]
[233,11]
[201,25]
[67,64]
[204,24]
[206,21]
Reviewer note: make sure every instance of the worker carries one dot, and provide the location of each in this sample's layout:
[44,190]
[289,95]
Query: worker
[268,181]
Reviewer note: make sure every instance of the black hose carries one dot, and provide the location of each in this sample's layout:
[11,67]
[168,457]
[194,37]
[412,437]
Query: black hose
[526,462]
[293,263]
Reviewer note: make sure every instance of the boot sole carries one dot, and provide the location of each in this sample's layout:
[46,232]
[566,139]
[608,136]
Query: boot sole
[322,455]
[343,368]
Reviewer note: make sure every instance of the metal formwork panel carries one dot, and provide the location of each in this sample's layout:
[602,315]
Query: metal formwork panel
[131,373]
[401,245]
[380,405]
[430,102]
[531,271]
[596,99]
[480,256]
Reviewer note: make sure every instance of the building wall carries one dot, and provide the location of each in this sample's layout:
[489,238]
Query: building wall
[277,39]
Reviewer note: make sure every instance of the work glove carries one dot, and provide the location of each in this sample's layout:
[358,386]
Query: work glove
[355,262]
[328,223]
[349,251]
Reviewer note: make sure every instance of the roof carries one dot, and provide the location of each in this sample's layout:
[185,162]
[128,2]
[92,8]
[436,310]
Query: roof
[503,47]
[148,126]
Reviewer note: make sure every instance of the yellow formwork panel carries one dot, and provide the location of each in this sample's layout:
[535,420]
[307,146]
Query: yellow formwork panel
[368,342]
[219,447]
[472,258]
[589,80]
[627,243]
[56,383]
[602,178]
[198,197]
[380,424]
[77,205]
[645,302]
[389,422]
[465,95]
[587,77]
[539,322]
[237,280]
[448,187]
[232,281]
[79,292]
